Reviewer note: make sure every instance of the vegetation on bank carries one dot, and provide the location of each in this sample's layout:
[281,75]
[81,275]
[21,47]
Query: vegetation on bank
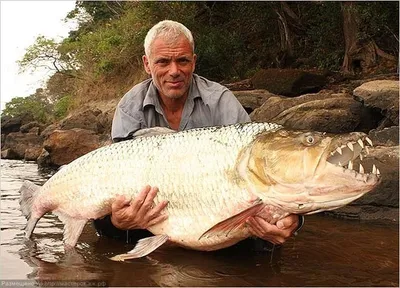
[101,59]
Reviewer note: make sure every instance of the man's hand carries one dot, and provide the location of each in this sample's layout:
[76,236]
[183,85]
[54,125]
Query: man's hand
[138,213]
[276,234]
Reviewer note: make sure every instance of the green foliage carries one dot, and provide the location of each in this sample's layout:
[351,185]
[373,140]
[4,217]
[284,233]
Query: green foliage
[380,21]
[61,106]
[323,42]
[232,40]
[37,108]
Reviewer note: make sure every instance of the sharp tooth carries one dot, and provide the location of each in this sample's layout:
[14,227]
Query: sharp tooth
[373,169]
[369,141]
[366,149]
[339,150]
[361,143]
[378,172]
[350,145]
[350,165]
[361,169]
[361,157]
[340,164]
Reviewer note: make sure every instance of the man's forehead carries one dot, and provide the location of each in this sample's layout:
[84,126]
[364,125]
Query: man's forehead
[180,44]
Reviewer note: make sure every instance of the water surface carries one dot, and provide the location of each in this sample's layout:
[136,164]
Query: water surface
[327,252]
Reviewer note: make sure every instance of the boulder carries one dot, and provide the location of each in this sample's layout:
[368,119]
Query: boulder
[9,154]
[27,127]
[10,124]
[20,142]
[387,137]
[381,94]
[49,129]
[32,153]
[87,120]
[252,99]
[13,124]
[325,111]
[65,146]
[288,82]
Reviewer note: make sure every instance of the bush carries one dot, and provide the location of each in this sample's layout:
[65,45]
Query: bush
[62,106]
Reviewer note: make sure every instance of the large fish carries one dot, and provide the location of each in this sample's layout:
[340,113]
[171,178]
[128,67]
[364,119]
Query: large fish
[214,179]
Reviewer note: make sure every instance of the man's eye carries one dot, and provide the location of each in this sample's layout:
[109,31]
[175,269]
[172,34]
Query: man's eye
[162,61]
[183,60]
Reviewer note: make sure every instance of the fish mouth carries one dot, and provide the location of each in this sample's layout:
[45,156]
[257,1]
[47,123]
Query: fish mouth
[349,157]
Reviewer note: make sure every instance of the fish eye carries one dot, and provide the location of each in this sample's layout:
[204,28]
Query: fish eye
[309,140]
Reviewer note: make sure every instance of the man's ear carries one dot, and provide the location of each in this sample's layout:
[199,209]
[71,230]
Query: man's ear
[194,62]
[146,64]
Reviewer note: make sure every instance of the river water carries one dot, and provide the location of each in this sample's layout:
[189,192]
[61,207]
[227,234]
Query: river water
[327,252]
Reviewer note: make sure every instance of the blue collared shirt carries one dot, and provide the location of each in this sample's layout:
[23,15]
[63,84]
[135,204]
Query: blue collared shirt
[208,104]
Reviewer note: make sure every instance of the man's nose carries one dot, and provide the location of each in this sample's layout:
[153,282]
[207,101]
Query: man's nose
[174,69]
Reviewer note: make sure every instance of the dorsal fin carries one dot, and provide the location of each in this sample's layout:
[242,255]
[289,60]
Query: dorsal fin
[153,131]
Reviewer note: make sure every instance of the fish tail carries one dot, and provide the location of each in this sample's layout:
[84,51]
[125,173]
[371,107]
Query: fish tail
[29,192]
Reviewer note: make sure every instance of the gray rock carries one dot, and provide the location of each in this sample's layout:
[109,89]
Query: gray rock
[20,142]
[386,137]
[381,94]
[9,154]
[27,127]
[253,99]
[325,111]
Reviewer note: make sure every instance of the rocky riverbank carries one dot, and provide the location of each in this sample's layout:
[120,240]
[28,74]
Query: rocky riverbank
[295,99]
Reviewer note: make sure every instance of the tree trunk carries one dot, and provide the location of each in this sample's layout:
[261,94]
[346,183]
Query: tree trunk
[359,56]
[286,19]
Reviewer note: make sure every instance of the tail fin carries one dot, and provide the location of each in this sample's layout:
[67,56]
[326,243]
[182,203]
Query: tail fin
[28,194]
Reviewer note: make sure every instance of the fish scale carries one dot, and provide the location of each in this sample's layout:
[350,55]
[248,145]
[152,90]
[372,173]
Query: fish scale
[130,165]
[200,172]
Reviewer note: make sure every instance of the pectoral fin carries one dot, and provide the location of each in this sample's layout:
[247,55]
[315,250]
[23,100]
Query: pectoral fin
[226,226]
[143,247]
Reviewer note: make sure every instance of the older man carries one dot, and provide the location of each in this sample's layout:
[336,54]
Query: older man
[176,98]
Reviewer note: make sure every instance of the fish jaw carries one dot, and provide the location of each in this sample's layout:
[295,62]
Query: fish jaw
[308,172]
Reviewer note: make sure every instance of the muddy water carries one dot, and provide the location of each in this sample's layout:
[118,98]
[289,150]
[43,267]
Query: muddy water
[327,252]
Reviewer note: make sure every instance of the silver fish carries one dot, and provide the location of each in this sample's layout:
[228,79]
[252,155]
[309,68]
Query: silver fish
[214,178]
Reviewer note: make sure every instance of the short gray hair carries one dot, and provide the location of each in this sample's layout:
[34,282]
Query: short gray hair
[168,29]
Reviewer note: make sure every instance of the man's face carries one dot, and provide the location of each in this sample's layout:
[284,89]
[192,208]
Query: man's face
[171,65]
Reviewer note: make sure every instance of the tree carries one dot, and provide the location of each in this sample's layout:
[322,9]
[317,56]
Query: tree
[361,54]
[46,53]
[36,105]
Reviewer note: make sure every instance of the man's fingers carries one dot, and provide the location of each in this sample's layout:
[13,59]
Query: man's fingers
[119,203]
[159,207]
[290,221]
[148,202]
[255,225]
[138,201]
[157,220]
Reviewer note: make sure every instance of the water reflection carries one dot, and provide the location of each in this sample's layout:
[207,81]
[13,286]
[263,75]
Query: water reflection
[327,252]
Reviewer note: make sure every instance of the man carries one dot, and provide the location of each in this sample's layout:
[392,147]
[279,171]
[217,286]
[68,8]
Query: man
[176,98]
